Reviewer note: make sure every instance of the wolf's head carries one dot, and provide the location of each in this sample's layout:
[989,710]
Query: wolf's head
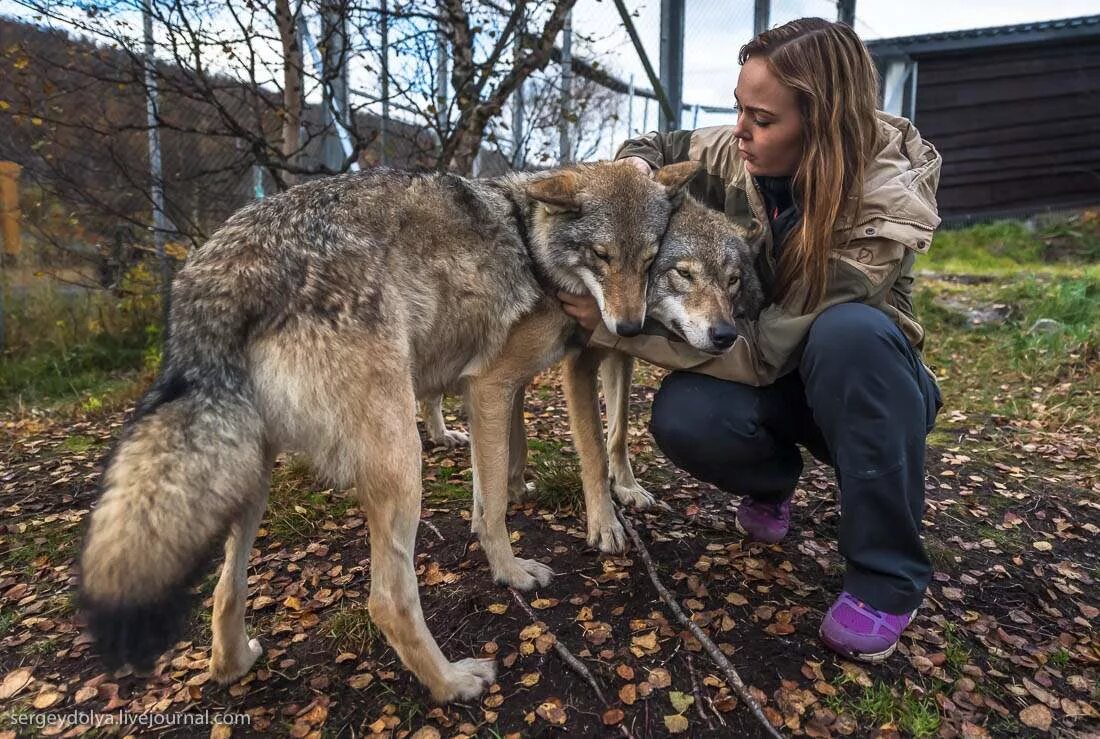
[598,227]
[703,278]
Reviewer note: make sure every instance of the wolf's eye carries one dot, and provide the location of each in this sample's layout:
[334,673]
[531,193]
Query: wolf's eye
[735,280]
[601,252]
[650,258]
[685,274]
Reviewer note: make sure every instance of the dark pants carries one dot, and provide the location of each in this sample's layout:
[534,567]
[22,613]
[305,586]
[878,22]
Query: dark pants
[862,402]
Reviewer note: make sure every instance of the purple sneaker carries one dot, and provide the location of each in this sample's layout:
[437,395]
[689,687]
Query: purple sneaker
[854,629]
[767,522]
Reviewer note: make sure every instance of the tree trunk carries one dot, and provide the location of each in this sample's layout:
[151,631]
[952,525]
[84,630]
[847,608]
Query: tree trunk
[292,87]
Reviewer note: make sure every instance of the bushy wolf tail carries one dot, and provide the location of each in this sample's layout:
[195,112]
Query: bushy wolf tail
[189,461]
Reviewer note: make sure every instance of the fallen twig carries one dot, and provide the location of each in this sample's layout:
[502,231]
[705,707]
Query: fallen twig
[716,654]
[431,526]
[698,693]
[563,652]
[574,664]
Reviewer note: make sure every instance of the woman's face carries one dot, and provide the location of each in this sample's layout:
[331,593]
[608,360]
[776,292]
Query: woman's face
[769,126]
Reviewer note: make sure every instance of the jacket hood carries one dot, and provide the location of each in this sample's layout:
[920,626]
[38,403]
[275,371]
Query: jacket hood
[899,189]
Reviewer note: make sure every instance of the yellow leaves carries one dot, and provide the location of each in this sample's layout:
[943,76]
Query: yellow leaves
[497,608]
[736,599]
[626,672]
[358,682]
[551,712]
[644,644]
[676,724]
[531,631]
[680,701]
[1042,546]
[542,604]
[292,603]
[530,680]
[659,677]
[628,693]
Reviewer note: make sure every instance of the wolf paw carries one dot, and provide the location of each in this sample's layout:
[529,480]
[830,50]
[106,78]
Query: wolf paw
[228,669]
[607,535]
[524,574]
[451,439]
[467,678]
[633,495]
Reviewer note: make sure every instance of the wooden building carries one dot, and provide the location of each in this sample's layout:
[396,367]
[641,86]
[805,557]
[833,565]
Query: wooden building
[1014,110]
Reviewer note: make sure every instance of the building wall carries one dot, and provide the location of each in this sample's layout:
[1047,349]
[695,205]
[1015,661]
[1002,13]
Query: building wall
[1018,127]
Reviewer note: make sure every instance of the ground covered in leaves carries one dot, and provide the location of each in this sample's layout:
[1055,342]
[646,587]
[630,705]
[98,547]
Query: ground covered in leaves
[1005,644]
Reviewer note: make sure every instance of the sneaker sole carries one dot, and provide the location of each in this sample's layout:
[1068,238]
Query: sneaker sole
[872,657]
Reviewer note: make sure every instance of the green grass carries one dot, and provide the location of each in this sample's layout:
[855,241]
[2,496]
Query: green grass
[556,475]
[878,704]
[7,620]
[351,629]
[955,648]
[449,485]
[72,374]
[299,503]
[1006,245]
[50,544]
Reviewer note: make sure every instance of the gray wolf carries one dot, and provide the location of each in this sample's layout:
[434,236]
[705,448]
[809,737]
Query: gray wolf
[314,320]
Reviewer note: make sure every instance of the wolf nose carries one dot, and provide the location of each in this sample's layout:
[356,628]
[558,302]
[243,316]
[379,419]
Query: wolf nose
[628,328]
[723,335]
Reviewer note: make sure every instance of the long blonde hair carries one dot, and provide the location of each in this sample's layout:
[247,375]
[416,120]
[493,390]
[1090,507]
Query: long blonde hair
[836,83]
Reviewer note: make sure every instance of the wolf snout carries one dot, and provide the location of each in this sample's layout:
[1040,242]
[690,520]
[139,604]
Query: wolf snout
[628,328]
[722,335]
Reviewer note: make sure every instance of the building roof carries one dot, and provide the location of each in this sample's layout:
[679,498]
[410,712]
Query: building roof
[974,38]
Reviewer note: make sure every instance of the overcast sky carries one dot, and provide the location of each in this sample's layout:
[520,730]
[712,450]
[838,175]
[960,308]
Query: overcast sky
[715,30]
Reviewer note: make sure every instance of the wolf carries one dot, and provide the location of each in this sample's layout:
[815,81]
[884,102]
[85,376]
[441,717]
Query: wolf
[313,320]
[703,279]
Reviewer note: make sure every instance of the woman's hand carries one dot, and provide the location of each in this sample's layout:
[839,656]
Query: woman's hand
[640,164]
[581,307]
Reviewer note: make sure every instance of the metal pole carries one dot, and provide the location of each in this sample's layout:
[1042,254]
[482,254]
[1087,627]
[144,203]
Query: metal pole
[760,16]
[565,147]
[441,74]
[519,154]
[645,115]
[383,133]
[654,80]
[846,12]
[160,221]
[630,109]
[672,60]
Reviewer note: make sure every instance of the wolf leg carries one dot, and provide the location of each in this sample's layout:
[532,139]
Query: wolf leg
[389,489]
[616,371]
[233,653]
[491,407]
[431,410]
[517,450]
[604,529]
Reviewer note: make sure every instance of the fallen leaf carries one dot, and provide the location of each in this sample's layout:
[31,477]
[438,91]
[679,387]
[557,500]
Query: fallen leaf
[1042,546]
[46,699]
[953,593]
[737,599]
[659,677]
[628,694]
[358,682]
[14,682]
[497,608]
[530,680]
[680,701]
[613,716]
[552,712]
[544,603]
[1036,716]
[646,641]
[626,672]
[676,724]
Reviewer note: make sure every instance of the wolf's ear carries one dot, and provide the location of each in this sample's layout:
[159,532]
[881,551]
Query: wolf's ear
[557,193]
[676,176]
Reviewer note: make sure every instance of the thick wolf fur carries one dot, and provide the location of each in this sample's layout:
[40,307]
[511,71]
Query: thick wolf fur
[703,277]
[312,321]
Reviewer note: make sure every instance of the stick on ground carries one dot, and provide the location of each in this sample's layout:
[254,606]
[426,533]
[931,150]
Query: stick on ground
[716,654]
[575,664]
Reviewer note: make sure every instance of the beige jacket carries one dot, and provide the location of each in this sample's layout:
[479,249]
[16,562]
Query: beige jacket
[895,221]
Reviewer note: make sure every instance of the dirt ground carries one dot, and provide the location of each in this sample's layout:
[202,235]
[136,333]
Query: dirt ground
[1005,643]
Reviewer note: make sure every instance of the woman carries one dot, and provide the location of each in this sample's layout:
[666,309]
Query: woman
[845,197]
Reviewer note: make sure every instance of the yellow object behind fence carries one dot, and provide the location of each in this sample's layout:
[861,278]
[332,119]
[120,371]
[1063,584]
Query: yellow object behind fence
[9,206]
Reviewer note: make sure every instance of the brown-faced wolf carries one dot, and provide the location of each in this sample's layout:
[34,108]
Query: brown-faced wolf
[312,321]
